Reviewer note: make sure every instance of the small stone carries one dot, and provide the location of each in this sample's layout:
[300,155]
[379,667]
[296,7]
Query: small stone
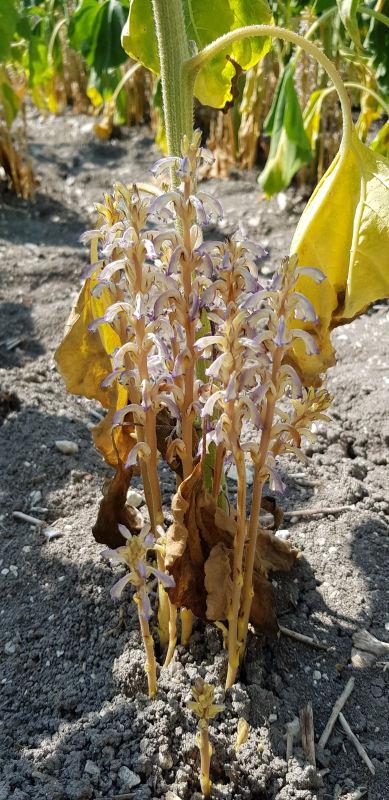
[14,570]
[5,571]
[66,446]
[273,717]
[283,534]
[128,778]
[9,648]
[52,533]
[165,760]
[135,498]
[387,626]
[91,768]
[316,675]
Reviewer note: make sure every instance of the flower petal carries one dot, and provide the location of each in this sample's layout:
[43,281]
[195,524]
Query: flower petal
[118,587]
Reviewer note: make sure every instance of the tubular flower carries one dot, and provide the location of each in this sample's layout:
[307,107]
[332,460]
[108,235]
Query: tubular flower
[134,555]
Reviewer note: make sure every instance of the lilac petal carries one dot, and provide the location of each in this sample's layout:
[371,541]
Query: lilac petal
[209,406]
[309,341]
[259,392]
[181,363]
[88,236]
[312,272]
[206,265]
[125,532]
[118,587]
[214,370]
[175,259]
[214,204]
[275,482]
[112,555]
[141,569]
[92,327]
[98,288]
[111,268]
[183,170]
[208,341]
[132,408]
[250,282]
[281,338]
[115,309]
[141,448]
[208,246]
[162,201]
[208,295]
[144,603]
[164,164]
[303,307]
[226,265]
[202,218]
[91,269]
[289,374]
[167,580]
[169,403]
[195,306]
[110,379]
[253,299]
[255,248]
[231,388]
[163,300]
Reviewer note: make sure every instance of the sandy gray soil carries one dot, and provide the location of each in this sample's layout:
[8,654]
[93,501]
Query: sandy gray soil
[75,722]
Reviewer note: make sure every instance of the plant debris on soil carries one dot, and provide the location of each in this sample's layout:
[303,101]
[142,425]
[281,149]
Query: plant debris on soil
[75,721]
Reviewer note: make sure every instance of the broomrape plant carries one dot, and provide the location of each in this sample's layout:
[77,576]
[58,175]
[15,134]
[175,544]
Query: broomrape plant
[164,287]
[200,361]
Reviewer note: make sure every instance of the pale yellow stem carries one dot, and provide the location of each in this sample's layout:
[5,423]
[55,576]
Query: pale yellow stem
[205,759]
[172,634]
[237,575]
[151,664]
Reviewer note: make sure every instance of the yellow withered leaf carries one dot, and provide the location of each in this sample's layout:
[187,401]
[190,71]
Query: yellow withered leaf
[83,357]
[344,231]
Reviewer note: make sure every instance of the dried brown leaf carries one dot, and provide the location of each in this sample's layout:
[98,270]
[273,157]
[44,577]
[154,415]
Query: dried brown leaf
[113,510]
[218,583]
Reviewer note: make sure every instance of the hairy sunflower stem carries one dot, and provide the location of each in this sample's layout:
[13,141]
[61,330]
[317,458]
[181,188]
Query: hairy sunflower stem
[177,88]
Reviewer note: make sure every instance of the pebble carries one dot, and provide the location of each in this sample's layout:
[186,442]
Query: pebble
[283,534]
[316,675]
[66,446]
[52,533]
[128,778]
[387,626]
[273,717]
[9,648]
[135,498]
[5,571]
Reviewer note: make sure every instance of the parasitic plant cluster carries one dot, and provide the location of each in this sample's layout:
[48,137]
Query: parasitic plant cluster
[199,366]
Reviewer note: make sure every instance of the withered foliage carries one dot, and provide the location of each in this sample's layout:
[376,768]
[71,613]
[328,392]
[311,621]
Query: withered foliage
[199,551]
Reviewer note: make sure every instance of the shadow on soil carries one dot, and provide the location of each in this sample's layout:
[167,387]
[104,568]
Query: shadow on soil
[17,338]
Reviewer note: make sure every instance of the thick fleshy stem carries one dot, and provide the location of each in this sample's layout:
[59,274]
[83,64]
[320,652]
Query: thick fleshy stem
[151,664]
[172,634]
[205,747]
[247,592]
[237,574]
